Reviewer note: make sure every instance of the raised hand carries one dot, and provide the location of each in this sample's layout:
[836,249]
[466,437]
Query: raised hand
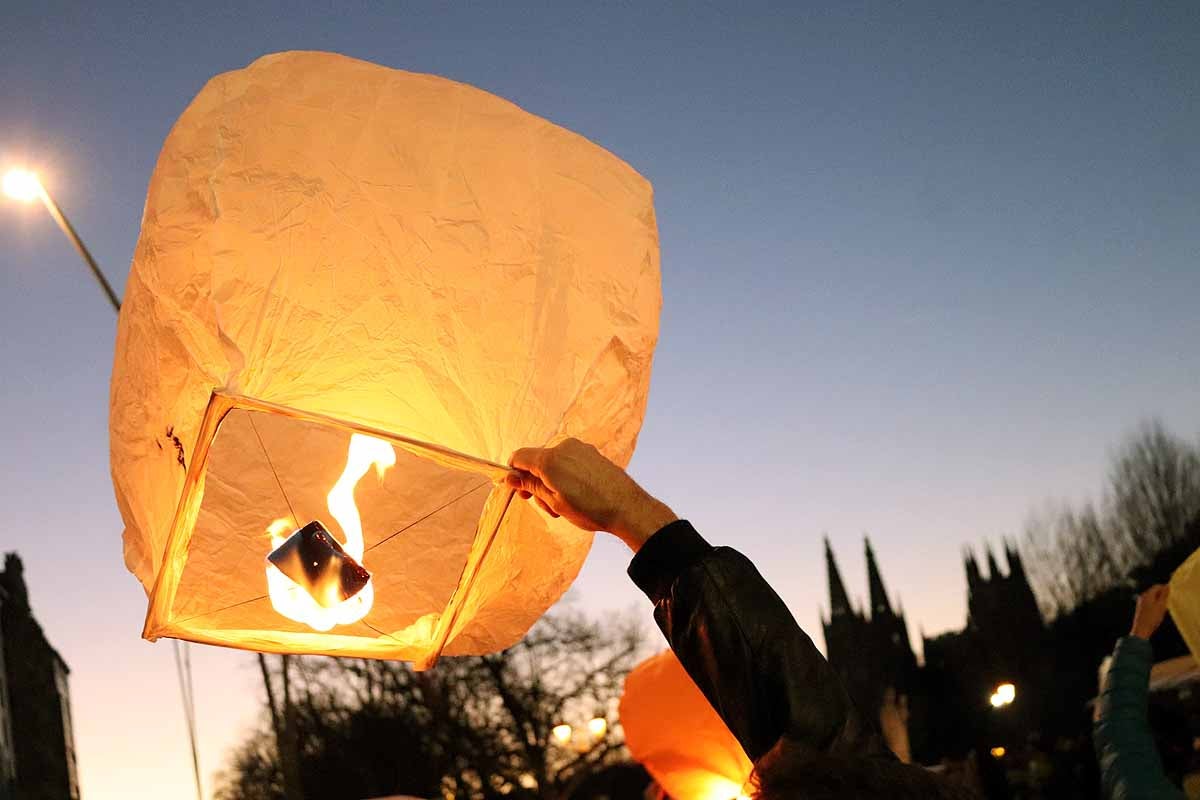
[575,481]
[1151,608]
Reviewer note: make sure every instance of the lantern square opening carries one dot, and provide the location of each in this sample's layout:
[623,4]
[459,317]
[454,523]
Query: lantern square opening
[410,513]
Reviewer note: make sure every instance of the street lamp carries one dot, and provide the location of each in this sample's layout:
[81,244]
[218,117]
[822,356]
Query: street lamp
[1004,695]
[21,184]
[598,726]
[579,740]
[24,186]
[562,734]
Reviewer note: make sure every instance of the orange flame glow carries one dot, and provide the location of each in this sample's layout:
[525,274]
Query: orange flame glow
[721,788]
[291,600]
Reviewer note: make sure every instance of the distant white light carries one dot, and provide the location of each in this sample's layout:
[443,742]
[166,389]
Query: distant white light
[1004,695]
[598,726]
[21,184]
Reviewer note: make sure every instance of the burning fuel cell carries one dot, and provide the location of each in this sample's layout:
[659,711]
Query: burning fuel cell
[315,562]
[314,579]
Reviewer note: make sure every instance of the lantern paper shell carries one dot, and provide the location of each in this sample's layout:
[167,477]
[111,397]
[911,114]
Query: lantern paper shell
[674,732]
[1184,602]
[332,247]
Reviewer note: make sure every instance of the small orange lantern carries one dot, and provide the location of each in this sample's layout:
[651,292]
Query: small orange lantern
[355,292]
[674,732]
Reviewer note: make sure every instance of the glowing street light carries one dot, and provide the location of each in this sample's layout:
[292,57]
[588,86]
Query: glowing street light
[562,733]
[21,184]
[998,752]
[1004,695]
[24,186]
[583,739]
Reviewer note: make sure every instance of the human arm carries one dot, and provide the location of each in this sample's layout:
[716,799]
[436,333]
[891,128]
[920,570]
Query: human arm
[1130,766]
[893,722]
[730,630]
[743,648]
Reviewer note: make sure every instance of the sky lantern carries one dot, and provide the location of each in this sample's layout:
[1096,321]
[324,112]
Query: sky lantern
[1184,602]
[673,731]
[355,292]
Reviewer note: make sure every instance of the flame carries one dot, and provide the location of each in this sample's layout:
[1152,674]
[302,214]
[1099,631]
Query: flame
[718,787]
[291,600]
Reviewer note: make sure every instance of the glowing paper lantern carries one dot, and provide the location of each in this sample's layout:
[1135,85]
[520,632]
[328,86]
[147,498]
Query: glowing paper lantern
[356,291]
[1184,601]
[673,731]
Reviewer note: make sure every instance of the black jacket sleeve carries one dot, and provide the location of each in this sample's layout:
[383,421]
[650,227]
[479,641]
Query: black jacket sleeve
[741,646]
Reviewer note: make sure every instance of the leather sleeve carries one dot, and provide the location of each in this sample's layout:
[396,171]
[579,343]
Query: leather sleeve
[742,647]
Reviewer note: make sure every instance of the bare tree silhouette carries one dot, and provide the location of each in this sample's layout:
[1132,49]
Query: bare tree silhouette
[474,727]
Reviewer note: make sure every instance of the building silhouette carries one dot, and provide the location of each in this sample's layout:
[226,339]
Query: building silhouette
[1004,640]
[35,707]
[869,648]
[8,755]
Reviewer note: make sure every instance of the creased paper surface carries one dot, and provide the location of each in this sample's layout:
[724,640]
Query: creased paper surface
[394,250]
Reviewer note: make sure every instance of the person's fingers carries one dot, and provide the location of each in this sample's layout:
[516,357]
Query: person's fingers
[546,507]
[529,486]
[525,483]
[529,459]
[1156,595]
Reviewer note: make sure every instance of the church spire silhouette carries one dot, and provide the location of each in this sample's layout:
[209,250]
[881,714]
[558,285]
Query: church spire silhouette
[839,601]
[879,597]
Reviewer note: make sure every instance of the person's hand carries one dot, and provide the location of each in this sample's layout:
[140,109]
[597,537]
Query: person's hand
[575,481]
[893,723]
[1151,608]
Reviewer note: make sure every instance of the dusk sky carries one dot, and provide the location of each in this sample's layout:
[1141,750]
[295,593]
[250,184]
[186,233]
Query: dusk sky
[923,268]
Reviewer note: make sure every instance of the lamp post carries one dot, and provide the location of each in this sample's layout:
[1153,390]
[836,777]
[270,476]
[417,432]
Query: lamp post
[578,740]
[1001,725]
[23,185]
[1003,696]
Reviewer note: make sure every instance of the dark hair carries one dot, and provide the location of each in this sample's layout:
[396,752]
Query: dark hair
[793,772]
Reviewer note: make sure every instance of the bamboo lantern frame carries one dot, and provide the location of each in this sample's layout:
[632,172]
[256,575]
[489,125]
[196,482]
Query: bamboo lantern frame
[160,619]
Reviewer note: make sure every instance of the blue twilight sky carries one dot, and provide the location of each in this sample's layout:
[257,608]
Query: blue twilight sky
[923,267]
